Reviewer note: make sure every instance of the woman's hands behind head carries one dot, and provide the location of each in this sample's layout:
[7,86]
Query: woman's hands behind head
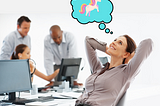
[129,57]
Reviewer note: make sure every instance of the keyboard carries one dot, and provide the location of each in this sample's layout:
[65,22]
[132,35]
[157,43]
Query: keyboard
[49,98]
[23,101]
[42,89]
[45,99]
[39,99]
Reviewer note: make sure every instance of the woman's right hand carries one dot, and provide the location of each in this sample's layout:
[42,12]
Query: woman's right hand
[51,83]
[53,76]
[57,71]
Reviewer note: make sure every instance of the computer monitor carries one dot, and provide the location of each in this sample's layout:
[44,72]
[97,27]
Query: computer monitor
[14,77]
[69,70]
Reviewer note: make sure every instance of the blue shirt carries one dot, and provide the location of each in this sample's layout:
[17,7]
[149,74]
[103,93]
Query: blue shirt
[53,53]
[10,42]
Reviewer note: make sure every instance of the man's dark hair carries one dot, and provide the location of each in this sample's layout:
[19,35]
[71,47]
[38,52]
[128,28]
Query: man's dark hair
[21,19]
[55,27]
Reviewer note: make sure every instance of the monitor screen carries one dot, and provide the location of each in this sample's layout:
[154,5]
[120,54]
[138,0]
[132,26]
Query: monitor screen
[69,69]
[14,76]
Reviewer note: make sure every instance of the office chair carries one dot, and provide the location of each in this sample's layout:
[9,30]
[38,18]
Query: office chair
[122,100]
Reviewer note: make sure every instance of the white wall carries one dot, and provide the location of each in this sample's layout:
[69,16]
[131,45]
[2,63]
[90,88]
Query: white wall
[139,23]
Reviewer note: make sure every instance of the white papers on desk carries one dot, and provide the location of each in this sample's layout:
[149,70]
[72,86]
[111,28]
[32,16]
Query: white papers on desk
[70,94]
[50,103]
[58,102]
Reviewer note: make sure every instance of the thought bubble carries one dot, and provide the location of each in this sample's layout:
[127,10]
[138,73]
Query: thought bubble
[89,11]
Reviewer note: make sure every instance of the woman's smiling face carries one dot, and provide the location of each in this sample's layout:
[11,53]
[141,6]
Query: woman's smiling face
[118,47]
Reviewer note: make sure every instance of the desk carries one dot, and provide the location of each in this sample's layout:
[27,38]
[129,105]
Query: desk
[55,102]
[137,95]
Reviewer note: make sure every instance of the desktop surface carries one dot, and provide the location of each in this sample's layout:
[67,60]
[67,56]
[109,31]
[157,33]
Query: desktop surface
[49,98]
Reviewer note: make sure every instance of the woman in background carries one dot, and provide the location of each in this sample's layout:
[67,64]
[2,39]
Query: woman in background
[22,51]
[108,83]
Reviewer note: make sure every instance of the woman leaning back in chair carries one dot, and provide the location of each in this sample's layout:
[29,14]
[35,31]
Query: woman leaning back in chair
[22,51]
[106,85]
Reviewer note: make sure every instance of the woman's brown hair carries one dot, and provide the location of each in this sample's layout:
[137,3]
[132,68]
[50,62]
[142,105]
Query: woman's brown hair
[131,45]
[19,49]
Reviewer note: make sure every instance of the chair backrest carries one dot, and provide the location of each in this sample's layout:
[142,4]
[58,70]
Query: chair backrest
[103,60]
[122,100]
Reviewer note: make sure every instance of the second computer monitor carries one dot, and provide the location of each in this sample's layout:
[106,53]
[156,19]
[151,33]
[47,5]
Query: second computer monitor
[69,70]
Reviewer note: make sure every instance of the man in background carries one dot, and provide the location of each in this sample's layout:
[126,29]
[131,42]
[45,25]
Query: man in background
[57,45]
[19,36]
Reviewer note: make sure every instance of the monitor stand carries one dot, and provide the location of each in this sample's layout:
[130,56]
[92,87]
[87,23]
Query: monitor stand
[12,99]
[71,82]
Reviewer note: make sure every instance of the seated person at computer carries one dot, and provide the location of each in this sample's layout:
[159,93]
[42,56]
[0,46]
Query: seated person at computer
[108,83]
[22,51]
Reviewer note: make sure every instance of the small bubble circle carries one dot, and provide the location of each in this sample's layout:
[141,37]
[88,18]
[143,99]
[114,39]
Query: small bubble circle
[107,30]
[111,32]
[102,26]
